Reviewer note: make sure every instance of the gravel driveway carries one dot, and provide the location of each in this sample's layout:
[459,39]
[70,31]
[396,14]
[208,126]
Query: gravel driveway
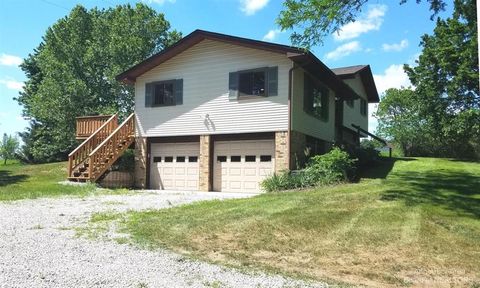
[37,248]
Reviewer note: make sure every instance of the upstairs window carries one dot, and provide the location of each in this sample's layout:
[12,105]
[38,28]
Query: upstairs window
[164,93]
[260,82]
[363,107]
[316,99]
[252,83]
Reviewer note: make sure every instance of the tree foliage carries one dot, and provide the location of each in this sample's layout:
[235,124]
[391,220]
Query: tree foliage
[316,19]
[72,72]
[8,148]
[399,120]
[441,117]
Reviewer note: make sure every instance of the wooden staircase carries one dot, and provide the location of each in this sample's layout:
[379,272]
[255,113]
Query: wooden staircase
[90,160]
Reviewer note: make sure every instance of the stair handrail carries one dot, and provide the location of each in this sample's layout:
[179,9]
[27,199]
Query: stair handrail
[81,153]
[126,129]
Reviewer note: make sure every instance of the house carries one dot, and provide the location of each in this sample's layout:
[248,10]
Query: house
[220,113]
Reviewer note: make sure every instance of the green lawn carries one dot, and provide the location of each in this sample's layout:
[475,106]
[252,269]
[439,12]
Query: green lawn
[18,181]
[409,222]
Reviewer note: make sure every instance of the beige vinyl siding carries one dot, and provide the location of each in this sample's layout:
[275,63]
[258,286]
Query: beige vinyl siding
[353,115]
[205,69]
[306,123]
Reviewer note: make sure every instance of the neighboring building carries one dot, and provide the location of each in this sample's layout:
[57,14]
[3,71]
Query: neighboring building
[219,113]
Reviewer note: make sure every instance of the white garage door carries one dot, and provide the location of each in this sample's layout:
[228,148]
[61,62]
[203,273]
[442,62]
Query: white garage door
[240,166]
[174,166]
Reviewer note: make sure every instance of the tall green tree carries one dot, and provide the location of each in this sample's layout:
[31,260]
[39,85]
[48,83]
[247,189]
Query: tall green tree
[441,117]
[313,20]
[446,77]
[8,148]
[72,72]
[400,122]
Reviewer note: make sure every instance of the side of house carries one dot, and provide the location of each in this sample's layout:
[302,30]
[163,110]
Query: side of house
[220,113]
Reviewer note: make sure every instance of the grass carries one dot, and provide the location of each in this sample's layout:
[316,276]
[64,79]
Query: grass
[18,181]
[408,222]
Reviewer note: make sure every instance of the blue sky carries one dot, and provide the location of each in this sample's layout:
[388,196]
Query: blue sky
[386,35]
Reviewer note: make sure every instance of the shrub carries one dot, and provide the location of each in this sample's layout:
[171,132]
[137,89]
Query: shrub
[278,182]
[333,167]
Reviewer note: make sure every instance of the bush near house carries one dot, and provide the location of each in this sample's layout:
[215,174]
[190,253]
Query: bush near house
[333,167]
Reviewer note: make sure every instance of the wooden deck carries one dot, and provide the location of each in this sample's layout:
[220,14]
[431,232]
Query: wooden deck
[87,125]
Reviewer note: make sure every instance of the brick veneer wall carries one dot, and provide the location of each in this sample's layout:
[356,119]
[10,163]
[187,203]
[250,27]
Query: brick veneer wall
[281,151]
[204,165]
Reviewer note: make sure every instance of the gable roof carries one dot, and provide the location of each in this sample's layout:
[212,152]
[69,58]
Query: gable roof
[365,75]
[301,57]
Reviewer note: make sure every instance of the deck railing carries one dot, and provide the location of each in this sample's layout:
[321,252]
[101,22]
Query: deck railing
[82,152]
[107,152]
[87,125]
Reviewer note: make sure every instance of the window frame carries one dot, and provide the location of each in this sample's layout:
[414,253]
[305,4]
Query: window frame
[155,83]
[324,89]
[241,95]
[363,107]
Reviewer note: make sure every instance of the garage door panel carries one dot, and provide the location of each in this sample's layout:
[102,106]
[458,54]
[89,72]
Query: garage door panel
[192,171]
[178,168]
[250,171]
[250,185]
[180,171]
[235,185]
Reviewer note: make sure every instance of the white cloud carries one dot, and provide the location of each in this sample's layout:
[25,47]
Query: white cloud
[159,2]
[397,47]
[371,21]
[250,7]
[271,35]
[12,84]
[393,77]
[10,60]
[344,50]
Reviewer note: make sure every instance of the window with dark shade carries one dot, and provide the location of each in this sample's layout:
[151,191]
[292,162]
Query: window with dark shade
[180,159]
[316,99]
[169,159]
[235,159]
[252,83]
[363,107]
[250,158]
[192,159]
[163,94]
[265,158]
[157,159]
[222,158]
[261,82]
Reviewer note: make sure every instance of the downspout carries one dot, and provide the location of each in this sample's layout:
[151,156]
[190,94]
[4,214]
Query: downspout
[290,92]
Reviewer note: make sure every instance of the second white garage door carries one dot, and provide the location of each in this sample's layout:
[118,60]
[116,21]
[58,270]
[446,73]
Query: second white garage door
[240,166]
[174,166]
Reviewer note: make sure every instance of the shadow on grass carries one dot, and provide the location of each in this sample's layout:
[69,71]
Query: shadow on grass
[381,168]
[6,178]
[453,190]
